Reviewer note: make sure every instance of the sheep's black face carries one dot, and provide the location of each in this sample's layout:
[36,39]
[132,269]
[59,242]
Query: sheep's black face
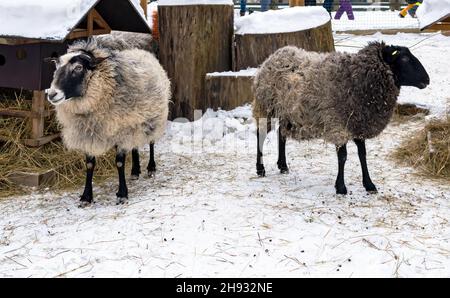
[406,67]
[71,76]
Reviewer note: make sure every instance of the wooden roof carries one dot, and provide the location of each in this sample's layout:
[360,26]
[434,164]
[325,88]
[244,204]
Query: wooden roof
[100,15]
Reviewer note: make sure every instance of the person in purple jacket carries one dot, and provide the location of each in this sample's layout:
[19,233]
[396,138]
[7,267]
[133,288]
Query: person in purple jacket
[345,6]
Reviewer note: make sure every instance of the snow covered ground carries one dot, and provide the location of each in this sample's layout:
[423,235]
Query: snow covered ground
[207,214]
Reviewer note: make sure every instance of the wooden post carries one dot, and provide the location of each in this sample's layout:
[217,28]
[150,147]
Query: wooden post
[37,117]
[250,50]
[144,7]
[194,40]
[37,109]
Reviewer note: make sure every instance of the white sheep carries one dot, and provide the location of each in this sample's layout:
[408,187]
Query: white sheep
[106,98]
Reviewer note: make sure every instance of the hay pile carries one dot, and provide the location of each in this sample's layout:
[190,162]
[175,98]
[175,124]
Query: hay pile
[69,166]
[429,149]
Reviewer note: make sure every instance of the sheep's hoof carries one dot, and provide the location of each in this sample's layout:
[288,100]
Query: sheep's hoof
[261,172]
[341,190]
[121,200]
[284,170]
[84,203]
[370,188]
[134,177]
[282,166]
[152,174]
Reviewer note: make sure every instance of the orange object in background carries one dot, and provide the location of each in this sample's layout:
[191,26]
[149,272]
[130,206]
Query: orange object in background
[405,10]
[155,30]
[296,3]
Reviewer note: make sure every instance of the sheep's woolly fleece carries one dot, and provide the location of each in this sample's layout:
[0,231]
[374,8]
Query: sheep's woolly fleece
[125,102]
[334,96]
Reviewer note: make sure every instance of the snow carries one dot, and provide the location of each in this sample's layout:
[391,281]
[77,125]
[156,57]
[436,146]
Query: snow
[373,20]
[207,214]
[249,72]
[49,19]
[431,11]
[194,2]
[283,20]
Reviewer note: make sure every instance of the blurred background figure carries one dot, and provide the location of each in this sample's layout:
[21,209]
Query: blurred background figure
[328,5]
[344,6]
[265,4]
[410,8]
[243,7]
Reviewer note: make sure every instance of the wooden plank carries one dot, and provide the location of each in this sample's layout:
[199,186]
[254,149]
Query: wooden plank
[440,27]
[33,179]
[90,22]
[24,113]
[41,141]
[38,108]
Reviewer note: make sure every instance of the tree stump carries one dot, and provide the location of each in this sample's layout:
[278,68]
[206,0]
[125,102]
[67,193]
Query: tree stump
[250,50]
[194,40]
[229,90]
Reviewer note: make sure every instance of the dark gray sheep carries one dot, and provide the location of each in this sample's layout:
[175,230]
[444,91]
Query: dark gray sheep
[334,96]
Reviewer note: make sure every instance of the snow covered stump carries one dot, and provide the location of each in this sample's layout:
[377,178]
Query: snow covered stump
[259,35]
[229,90]
[195,39]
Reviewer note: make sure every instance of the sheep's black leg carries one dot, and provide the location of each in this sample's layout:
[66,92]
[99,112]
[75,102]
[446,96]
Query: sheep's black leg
[261,133]
[135,167]
[282,166]
[151,163]
[342,157]
[367,182]
[122,194]
[87,196]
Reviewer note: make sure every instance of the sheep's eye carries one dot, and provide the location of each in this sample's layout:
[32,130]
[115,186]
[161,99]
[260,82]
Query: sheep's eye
[405,59]
[78,68]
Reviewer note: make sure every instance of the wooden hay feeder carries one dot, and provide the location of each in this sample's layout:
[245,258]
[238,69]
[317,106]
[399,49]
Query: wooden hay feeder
[43,31]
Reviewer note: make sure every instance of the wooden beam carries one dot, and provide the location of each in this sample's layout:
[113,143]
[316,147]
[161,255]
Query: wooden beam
[93,18]
[90,22]
[24,114]
[32,179]
[41,141]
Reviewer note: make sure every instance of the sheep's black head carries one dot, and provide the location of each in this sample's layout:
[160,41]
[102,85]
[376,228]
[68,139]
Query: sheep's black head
[407,69]
[71,76]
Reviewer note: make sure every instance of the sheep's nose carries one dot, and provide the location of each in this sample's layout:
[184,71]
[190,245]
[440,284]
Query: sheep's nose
[51,94]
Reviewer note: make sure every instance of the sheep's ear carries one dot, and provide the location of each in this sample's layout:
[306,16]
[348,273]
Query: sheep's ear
[99,60]
[390,54]
[92,61]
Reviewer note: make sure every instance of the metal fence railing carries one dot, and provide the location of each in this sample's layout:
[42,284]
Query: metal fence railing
[368,15]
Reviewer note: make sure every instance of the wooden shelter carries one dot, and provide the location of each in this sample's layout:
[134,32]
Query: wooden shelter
[23,52]
[442,24]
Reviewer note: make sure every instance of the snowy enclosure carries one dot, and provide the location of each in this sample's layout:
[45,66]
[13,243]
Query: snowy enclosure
[207,214]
